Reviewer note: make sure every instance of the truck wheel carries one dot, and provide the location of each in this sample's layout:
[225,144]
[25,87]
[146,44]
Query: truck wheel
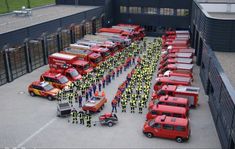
[149,135]
[32,94]
[179,140]
[110,124]
[49,98]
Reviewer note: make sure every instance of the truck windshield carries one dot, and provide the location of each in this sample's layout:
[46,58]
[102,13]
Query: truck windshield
[74,73]
[63,80]
[48,87]
[87,66]
[96,60]
[151,123]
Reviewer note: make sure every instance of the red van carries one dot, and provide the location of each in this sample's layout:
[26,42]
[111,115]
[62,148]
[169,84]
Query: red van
[173,111]
[168,127]
[170,101]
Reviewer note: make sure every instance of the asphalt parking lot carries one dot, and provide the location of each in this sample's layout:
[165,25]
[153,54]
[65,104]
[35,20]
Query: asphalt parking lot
[31,122]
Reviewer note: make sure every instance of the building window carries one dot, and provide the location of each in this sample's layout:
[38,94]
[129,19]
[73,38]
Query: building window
[123,9]
[135,10]
[167,11]
[182,12]
[149,10]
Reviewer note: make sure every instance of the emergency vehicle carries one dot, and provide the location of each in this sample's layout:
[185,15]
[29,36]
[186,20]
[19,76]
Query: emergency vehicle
[184,43]
[189,92]
[168,127]
[177,32]
[43,89]
[136,28]
[163,63]
[136,34]
[178,73]
[113,47]
[94,59]
[171,49]
[56,80]
[173,111]
[119,42]
[104,52]
[61,60]
[188,68]
[165,55]
[95,104]
[172,80]
[71,73]
[116,37]
[121,32]
[170,101]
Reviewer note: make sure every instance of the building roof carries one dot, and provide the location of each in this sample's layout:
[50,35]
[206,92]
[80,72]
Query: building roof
[226,60]
[219,9]
[10,22]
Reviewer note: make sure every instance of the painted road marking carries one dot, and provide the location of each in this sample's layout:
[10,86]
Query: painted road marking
[36,133]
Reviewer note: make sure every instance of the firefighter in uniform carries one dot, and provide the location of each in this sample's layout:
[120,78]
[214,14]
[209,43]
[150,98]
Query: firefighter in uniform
[123,103]
[88,120]
[132,105]
[81,117]
[141,104]
[74,114]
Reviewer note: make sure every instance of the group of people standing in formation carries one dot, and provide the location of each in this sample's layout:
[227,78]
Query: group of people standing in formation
[135,89]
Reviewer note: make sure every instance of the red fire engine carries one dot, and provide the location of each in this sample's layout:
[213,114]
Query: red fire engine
[94,59]
[164,63]
[173,111]
[188,92]
[172,80]
[168,127]
[104,52]
[136,28]
[117,31]
[178,73]
[56,80]
[60,60]
[188,68]
[170,101]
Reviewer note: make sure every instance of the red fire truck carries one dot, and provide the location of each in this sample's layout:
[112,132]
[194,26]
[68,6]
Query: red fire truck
[61,61]
[187,68]
[94,59]
[177,32]
[56,80]
[137,35]
[118,31]
[170,101]
[171,49]
[178,73]
[104,52]
[113,47]
[173,111]
[164,63]
[184,43]
[136,28]
[188,92]
[118,37]
[172,80]
[165,55]
[168,127]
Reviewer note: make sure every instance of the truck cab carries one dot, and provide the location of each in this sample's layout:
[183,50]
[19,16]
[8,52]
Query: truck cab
[177,66]
[71,73]
[168,127]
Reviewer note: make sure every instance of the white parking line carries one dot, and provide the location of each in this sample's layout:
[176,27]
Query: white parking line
[35,133]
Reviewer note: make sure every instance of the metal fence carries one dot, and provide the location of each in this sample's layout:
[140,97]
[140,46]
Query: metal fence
[20,59]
